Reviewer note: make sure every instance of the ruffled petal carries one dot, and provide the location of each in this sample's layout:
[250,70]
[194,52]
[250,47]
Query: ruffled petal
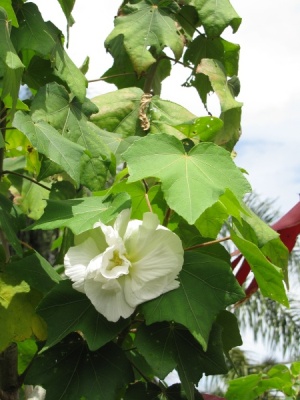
[77,260]
[110,303]
[122,221]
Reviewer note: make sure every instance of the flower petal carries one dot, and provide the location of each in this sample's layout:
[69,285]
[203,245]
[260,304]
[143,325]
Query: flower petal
[110,303]
[122,221]
[77,260]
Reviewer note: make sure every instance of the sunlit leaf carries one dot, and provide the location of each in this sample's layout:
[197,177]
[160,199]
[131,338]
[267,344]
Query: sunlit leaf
[216,16]
[191,182]
[149,24]
[81,214]
[268,276]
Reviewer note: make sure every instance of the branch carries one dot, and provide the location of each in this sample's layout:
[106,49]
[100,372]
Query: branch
[197,246]
[26,177]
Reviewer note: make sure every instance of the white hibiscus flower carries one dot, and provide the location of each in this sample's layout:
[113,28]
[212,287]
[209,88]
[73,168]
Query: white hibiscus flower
[121,266]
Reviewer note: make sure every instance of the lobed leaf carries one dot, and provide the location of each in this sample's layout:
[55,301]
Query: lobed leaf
[77,373]
[191,182]
[148,25]
[64,301]
[207,286]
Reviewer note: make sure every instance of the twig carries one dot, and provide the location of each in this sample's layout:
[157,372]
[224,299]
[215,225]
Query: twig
[26,177]
[208,243]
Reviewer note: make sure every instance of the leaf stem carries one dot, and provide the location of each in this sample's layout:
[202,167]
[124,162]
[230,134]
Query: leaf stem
[146,195]
[103,78]
[167,217]
[197,246]
[26,177]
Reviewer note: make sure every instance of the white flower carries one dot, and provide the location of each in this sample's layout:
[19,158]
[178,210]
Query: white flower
[125,265]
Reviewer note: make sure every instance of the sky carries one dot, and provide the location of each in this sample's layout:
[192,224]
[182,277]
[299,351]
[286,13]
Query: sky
[270,84]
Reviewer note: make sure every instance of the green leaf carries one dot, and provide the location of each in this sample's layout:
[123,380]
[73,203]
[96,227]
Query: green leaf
[149,24]
[10,63]
[26,352]
[229,135]
[30,197]
[8,224]
[81,214]
[191,182]
[117,143]
[268,276]
[142,390]
[119,111]
[45,39]
[215,48]
[49,142]
[53,105]
[216,16]
[18,318]
[205,128]
[217,76]
[33,33]
[67,7]
[231,336]
[11,16]
[36,271]
[248,385]
[164,115]
[82,316]
[207,286]
[166,346]
[77,373]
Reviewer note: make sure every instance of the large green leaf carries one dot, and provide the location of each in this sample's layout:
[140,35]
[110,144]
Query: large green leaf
[82,316]
[148,24]
[231,336]
[81,214]
[167,346]
[215,16]
[49,142]
[10,64]
[53,104]
[192,181]
[268,276]
[77,373]
[207,286]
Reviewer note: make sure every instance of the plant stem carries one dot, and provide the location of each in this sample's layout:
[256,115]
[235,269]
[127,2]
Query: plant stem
[197,246]
[26,177]
[167,217]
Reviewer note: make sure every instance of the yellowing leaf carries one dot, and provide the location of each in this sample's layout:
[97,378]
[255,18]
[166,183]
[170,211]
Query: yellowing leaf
[18,319]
